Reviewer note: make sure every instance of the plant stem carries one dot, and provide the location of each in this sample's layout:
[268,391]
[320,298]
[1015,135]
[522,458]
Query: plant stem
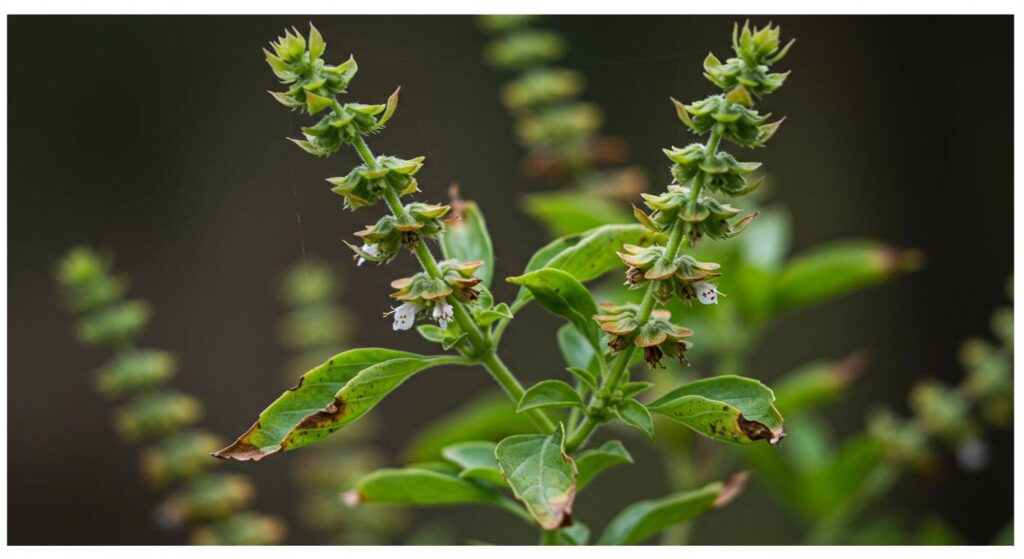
[510,383]
[484,352]
[621,363]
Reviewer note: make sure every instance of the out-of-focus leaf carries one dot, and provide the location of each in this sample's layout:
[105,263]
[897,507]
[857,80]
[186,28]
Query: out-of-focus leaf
[560,293]
[327,398]
[817,383]
[541,475]
[549,394]
[414,486]
[838,268]
[489,417]
[847,478]
[643,519]
[766,241]
[728,408]
[466,238]
[936,531]
[574,347]
[589,463]
[565,213]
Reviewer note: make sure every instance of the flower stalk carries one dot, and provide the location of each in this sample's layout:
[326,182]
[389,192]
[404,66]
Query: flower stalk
[683,212]
[443,292]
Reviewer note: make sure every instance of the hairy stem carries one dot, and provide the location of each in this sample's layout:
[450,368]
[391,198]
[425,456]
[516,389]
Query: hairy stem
[484,352]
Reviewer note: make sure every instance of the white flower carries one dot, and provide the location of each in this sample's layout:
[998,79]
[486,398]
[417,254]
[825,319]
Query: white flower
[707,293]
[442,314]
[368,249]
[405,315]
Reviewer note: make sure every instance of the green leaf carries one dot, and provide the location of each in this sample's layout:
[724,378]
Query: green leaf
[585,376]
[594,254]
[635,415]
[577,534]
[431,333]
[487,317]
[414,486]
[727,408]
[767,239]
[549,394]
[541,475]
[643,519]
[476,460]
[563,295]
[585,256]
[630,389]
[327,398]
[466,239]
[490,417]
[839,268]
[592,462]
[389,110]
[576,350]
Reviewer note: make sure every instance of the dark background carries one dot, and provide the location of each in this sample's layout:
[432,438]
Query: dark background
[154,137]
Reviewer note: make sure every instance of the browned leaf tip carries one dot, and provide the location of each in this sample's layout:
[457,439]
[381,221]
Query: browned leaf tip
[732,488]
[241,451]
[756,431]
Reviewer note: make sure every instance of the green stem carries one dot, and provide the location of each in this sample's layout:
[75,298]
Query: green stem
[621,363]
[510,383]
[484,351]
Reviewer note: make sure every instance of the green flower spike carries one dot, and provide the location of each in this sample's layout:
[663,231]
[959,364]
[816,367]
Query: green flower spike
[756,50]
[658,336]
[363,186]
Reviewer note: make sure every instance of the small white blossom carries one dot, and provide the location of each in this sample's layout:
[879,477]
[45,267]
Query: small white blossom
[368,249]
[405,315]
[442,314]
[707,293]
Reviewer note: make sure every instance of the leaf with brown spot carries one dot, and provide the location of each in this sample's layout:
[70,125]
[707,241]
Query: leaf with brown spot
[359,396]
[728,408]
[541,475]
[314,391]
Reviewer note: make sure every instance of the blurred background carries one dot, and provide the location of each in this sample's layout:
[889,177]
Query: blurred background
[153,137]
